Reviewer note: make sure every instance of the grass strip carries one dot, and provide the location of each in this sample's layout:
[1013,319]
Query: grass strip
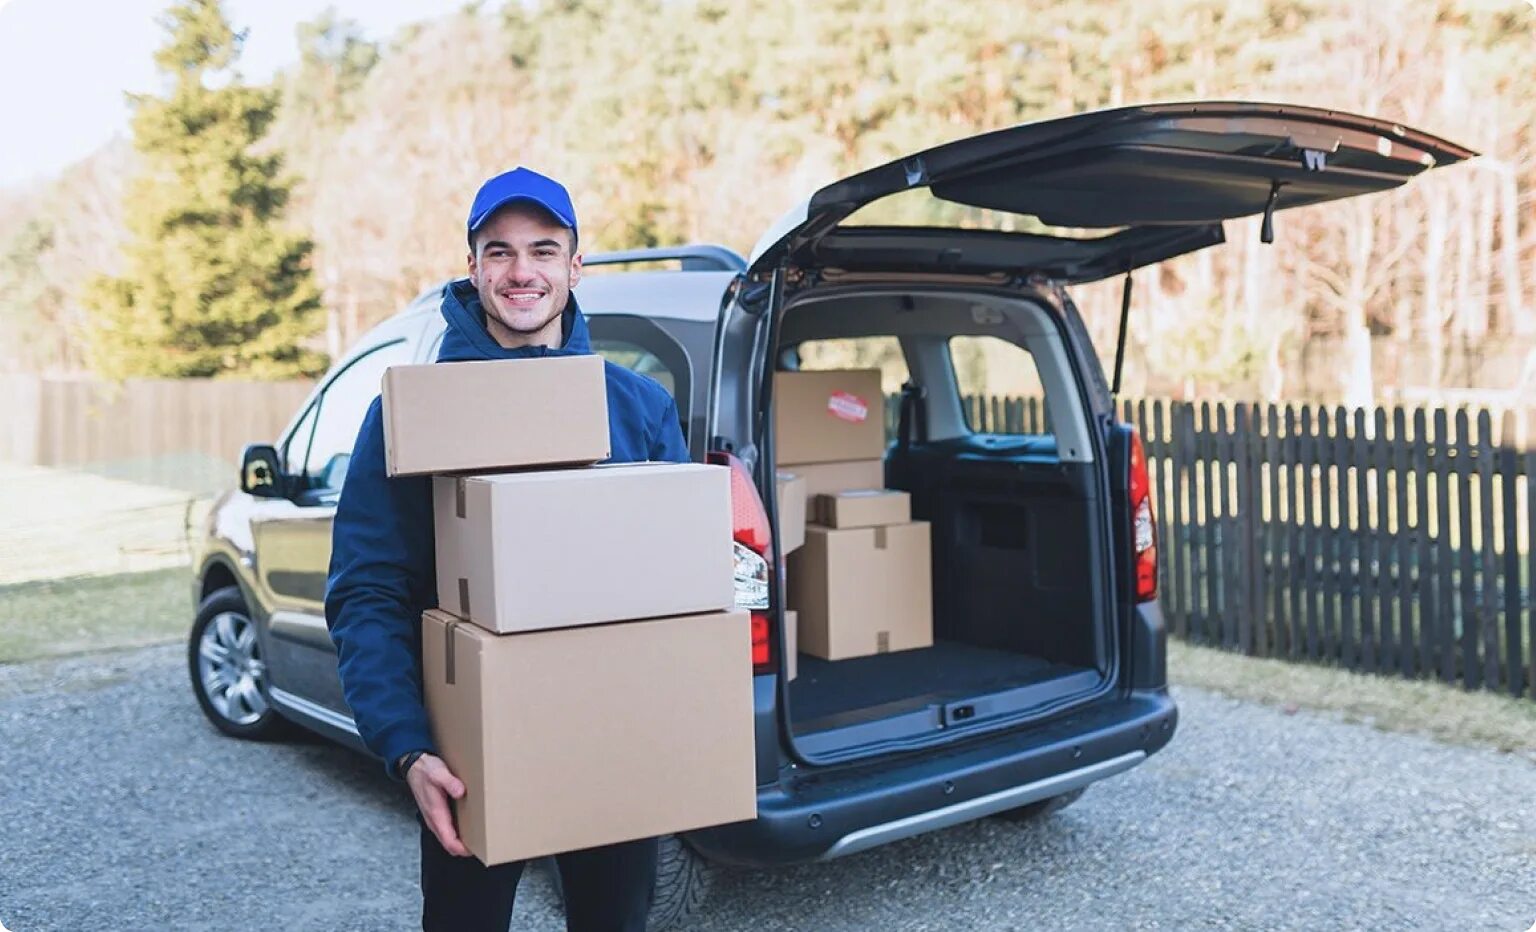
[1426,707]
[55,617]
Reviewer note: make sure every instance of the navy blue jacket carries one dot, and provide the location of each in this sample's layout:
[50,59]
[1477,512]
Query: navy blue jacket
[383,573]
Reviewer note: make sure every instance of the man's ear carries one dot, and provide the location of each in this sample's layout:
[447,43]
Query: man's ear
[575,269]
[473,271]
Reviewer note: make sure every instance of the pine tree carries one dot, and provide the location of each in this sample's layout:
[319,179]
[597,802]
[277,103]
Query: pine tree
[213,285]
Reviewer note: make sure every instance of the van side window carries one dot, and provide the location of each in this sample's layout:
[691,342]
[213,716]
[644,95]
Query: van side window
[321,445]
[640,345]
[637,358]
[1000,388]
[883,353]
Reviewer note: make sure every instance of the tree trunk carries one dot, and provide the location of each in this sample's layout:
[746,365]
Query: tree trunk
[1359,388]
[1432,320]
[1359,384]
[1509,253]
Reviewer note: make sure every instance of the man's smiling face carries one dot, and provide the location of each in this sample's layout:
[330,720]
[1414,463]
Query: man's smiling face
[524,267]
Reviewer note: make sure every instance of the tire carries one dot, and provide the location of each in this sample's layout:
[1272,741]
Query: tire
[1040,808]
[229,675]
[683,880]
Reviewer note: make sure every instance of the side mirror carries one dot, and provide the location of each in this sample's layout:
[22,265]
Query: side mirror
[261,472]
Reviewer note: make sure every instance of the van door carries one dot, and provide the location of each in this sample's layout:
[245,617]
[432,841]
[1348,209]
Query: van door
[292,540]
[1163,177]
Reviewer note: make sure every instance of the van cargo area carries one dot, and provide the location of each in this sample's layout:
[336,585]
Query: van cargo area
[1020,617]
[1013,605]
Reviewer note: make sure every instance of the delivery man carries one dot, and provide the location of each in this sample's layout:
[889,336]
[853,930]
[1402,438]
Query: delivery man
[516,304]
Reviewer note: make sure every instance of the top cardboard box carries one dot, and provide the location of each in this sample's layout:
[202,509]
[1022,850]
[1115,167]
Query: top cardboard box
[828,417]
[497,414]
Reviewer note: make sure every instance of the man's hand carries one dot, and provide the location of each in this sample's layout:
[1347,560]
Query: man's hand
[433,784]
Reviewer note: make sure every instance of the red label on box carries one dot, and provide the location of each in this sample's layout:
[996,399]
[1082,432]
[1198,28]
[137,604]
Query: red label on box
[848,406]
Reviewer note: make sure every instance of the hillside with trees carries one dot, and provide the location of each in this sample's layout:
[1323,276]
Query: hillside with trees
[676,120]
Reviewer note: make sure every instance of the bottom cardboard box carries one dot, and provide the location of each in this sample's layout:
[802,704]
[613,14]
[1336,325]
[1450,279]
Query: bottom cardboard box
[578,737]
[862,591]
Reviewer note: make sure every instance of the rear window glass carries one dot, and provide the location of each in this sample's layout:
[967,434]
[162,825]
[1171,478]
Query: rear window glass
[1000,388]
[883,353]
[918,207]
[637,358]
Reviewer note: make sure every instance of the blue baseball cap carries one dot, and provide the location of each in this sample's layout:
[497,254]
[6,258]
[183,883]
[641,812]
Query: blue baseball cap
[520,184]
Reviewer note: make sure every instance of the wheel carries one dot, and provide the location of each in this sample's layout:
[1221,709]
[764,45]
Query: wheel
[1040,808]
[228,673]
[682,884]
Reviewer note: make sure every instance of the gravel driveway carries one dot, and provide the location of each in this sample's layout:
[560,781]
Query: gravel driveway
[123,809]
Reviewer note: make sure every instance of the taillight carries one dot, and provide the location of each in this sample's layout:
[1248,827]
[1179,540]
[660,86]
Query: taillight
[762,654]
[753,548]
[1143,524]
[749,519]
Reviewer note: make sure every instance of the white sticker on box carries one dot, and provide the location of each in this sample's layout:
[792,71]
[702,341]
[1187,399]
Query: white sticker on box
[848,407]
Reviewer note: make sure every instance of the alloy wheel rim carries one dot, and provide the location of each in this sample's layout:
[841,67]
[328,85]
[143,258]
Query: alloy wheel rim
[230,668]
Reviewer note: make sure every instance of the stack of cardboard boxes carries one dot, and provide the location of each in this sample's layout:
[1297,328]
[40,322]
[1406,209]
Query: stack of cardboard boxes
[585,672]
[862,582]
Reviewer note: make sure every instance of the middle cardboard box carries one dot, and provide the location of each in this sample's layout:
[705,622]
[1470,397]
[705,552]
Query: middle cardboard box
[529,551]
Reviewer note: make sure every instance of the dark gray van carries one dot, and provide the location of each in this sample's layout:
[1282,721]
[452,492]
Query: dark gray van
[1048,670]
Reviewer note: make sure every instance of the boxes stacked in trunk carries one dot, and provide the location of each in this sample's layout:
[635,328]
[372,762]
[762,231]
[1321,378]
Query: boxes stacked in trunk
[585,673]
[862,582]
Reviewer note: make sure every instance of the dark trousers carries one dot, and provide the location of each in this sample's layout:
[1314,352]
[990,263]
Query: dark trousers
[607,889]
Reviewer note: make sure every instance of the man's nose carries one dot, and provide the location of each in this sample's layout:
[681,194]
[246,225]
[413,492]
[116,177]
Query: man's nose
[522,269]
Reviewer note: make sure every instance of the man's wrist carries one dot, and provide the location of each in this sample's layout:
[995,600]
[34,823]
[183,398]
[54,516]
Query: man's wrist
[405,761]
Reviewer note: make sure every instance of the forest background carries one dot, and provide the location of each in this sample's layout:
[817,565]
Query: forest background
[703,120]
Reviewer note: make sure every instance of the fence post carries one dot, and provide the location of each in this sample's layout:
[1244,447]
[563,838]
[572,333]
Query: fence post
[1271,610]
[1509,480]
[1530,572]
[1466,565]
[1178,460]
[1295,531]
[1422,593]
[1488,592]
[1363,573]
[1205,450]
[1206,470]
[1346,543]
[1393,543]
[1445,569]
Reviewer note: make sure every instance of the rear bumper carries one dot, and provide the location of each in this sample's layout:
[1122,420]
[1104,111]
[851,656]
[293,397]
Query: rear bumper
[820,816]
